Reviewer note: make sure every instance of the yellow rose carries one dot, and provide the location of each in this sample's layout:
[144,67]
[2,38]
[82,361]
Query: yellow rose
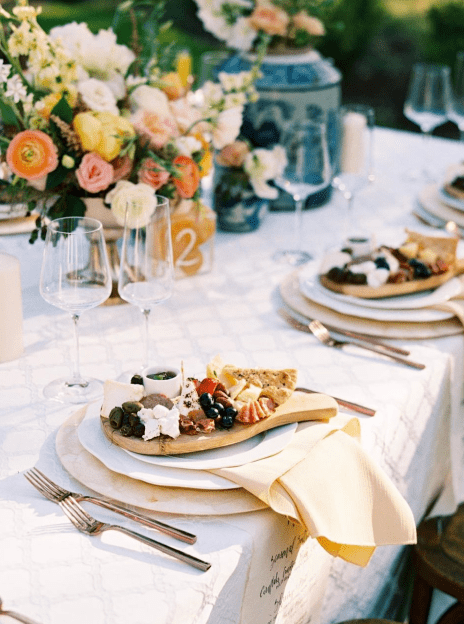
[103,133]
[89,130]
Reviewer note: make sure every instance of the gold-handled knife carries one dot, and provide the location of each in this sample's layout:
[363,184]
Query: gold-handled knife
[354,407]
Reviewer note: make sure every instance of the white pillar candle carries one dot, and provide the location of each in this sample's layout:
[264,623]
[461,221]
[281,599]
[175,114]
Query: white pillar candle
[353,154]
[11,310]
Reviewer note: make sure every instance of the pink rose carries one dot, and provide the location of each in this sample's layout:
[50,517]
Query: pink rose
[233,155]
[270,19]
[154,128]
[122,167]
[153,174]
[312,25]
[94,173]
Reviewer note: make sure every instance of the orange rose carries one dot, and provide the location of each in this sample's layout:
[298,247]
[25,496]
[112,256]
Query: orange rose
[188,178]
[270,19]
[32,155]
[153,174]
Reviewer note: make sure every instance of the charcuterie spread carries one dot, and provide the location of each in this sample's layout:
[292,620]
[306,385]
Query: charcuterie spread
[229,404]
[420,263]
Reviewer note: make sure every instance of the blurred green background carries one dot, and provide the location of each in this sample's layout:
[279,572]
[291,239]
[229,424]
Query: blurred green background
[373,42]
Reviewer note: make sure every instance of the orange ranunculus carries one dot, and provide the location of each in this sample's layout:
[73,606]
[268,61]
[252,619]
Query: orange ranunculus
[188,178]
[32,155]
[270,19]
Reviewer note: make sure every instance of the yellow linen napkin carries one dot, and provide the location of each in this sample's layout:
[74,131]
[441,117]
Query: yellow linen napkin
[327,482]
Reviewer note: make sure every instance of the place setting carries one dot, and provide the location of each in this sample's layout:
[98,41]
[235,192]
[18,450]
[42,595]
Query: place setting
[406,286]
[444,200]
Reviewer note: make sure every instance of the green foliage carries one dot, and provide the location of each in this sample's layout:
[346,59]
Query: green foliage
[350,26]
[446,35]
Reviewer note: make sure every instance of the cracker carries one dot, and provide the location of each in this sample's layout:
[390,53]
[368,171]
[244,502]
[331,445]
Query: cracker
[278,385]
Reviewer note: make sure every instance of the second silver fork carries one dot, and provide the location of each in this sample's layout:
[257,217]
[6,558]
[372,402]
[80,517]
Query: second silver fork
[55,493]
[322,334]
[85,523]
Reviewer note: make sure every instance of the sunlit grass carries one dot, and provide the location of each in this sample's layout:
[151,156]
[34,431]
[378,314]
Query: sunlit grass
[410,8]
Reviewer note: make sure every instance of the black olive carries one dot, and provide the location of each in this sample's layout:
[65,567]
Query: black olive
[337,274]
[227,422]
[231,411]
[381,263]
[126,430]
[139,430]
[137,379]
[206,400]
[116,417]
[133,420]
[211,412]
[218,407]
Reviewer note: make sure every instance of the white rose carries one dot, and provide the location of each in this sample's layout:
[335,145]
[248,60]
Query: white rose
[241,35]
[117,85]
[152,100]
[138,200]
[97,96]
[263,165]
[187,145]
[76,38]
[227,127]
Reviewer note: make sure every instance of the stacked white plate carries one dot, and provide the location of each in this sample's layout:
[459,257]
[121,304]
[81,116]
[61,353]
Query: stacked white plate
[189,470]
[435,202]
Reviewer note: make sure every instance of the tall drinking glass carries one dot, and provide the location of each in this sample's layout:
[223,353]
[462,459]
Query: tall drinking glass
[146,270]
[456,109]
[308,171]
[428,101]
[75,277]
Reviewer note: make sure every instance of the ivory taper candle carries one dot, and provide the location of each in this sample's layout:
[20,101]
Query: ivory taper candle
[11,309]
[353,153]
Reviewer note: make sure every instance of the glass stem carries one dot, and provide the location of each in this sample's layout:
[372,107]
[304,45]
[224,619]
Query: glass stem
[146,338]
[76,379]
[426,160]
[298,223]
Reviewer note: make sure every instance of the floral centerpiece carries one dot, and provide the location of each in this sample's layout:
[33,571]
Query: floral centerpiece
[86,117]
[283,24]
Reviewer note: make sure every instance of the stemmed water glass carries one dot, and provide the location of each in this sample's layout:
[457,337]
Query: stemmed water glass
[456,108]
[146,269]
[354,166]
[308,170]
[75,277]
[428,101]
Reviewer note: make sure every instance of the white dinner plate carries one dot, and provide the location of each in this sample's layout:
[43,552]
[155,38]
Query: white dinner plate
[116,459]
[448,199]
[312,289]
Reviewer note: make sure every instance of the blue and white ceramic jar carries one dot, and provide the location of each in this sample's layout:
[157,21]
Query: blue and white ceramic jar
[293,86]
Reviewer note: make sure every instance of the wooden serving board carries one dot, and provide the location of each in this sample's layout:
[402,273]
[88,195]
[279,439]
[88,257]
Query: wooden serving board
[298,408]
[393,290]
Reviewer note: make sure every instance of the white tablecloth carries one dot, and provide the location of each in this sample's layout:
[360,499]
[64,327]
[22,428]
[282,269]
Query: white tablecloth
[54,574]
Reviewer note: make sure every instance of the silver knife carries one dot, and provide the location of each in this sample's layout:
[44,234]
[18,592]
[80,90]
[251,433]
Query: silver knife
[354,407]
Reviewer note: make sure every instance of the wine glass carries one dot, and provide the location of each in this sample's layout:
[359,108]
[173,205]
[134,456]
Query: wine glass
[355,162]
[456,108]
[75,277]
[146,269]
[428,101]
[308,170]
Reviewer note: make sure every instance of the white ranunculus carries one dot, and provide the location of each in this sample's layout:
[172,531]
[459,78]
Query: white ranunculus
[152,100]
[76,38]
[187,145]
[97,96]
[117,85]
[227,127]
[138,199]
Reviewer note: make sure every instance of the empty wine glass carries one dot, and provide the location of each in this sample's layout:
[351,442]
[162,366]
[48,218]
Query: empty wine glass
[146,269]
[75,277]
[428,101]
[355,162]
[308,170]
[456,108]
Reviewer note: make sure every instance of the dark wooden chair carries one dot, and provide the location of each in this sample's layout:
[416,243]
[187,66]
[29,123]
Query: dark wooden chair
[438,560]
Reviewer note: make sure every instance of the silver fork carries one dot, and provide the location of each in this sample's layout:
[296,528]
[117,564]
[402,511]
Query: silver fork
[90,526]
[15,615]
[55,493]
[322,333]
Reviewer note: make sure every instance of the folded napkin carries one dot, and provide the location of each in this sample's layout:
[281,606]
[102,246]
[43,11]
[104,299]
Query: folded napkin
[325,480]
[455,305]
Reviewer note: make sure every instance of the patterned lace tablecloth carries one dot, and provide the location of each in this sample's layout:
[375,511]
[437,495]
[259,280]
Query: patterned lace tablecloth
[54,574]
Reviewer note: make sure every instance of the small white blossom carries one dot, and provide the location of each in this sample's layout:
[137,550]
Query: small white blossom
[263,165]
[15,89]
[4,71]
[187,145]
[227,127]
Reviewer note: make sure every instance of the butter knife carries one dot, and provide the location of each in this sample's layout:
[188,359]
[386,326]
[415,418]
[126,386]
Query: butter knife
[344,332]
[354,407]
